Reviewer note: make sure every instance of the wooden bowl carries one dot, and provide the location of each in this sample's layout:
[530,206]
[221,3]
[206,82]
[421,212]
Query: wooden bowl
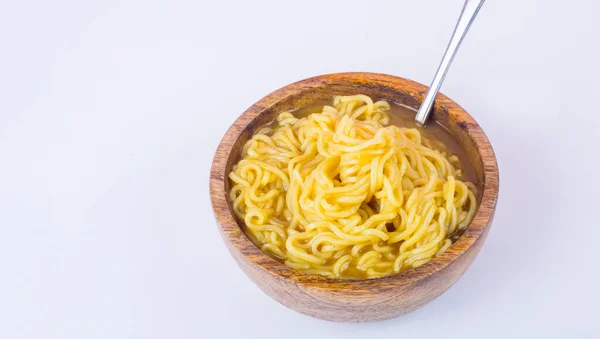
[354,300]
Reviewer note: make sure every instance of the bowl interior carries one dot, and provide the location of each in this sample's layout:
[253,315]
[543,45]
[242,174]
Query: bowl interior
[459,123]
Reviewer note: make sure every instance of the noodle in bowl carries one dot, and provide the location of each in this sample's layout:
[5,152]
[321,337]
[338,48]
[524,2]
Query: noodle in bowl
[344,194]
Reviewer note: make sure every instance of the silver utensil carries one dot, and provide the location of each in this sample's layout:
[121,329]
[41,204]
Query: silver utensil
[468,14]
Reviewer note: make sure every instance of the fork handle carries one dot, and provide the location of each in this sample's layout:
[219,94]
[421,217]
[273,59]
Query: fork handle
[468,14]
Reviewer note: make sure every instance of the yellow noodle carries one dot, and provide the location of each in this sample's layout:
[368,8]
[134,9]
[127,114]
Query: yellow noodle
[342,194]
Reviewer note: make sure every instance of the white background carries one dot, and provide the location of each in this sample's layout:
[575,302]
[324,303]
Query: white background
[110,112]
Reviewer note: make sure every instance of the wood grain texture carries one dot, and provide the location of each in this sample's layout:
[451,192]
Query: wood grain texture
[354,300]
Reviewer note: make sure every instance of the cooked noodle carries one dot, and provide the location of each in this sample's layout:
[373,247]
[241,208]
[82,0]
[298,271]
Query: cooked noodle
[342,193]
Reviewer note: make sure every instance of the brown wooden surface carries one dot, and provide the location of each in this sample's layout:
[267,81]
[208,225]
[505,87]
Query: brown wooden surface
[355,300]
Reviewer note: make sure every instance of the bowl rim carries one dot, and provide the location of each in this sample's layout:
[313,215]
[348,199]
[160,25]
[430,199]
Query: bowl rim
[230,230]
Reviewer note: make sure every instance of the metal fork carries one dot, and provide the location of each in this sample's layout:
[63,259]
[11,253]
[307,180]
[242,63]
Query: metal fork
[468,14]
